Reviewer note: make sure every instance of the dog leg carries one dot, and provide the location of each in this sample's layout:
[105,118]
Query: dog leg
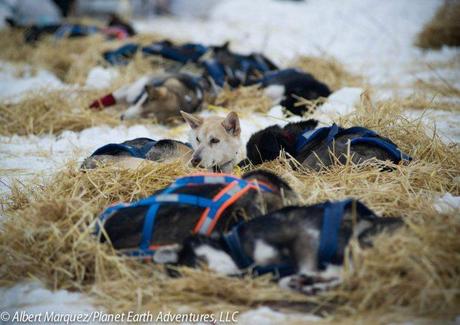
[134,111]
[312,284]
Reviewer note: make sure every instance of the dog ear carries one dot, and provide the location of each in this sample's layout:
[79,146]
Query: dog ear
[156,92]
[167,254]
[231,124]
[192,120]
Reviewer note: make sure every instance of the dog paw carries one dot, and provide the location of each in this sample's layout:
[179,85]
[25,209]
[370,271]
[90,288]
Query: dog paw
[307,284]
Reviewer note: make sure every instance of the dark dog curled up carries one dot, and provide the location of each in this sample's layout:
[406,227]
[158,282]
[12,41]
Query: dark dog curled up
[305,245]
[132,153]
[203,204]
[318,148]
[286,86]
[235,69]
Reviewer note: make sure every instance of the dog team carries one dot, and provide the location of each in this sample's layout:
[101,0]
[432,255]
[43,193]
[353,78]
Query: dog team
[253,224]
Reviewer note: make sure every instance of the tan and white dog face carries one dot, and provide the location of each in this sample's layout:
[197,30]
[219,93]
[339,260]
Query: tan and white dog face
[215,140]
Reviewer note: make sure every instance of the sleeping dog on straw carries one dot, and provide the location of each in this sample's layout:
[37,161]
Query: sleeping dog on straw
[303,245]
[202,204]
[319,148]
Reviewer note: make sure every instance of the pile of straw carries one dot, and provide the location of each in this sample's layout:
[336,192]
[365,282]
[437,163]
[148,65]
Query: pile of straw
[244,100]
[44,112]
[70,59]
[328,70]
[414,273]
[443,29]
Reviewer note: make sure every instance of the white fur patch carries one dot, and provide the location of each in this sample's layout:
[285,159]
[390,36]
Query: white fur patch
[166,254]
[332,271]
[218,260]
[135,110]
[275,92]
[361,226]
[263,253]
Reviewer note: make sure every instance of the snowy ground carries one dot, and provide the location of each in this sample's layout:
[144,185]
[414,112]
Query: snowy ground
[374,38]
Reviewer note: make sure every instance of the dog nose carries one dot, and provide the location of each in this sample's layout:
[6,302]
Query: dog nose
[196,161]
[122,117]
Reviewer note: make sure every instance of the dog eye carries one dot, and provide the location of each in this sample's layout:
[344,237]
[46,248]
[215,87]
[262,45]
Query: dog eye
[197,140]
[214,140]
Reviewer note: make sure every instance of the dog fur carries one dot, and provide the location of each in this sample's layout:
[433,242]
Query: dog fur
[235,74]
[163,97]
[289,234]
[163,150]
[287,86]
[216,141]
[266,145]
[174,222]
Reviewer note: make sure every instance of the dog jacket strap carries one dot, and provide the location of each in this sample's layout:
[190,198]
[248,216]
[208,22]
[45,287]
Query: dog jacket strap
[114,148]
[216,71]
[325,134]
[359,130]
[183,54]
[396,154]
[332,219]
[232,240]
[121,55]
[227,196]
[69,30]
[243,261]
[214,208]
[211,214]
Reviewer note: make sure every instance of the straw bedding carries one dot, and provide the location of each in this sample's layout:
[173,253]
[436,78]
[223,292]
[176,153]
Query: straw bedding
[47,234]
[244,100]
[43,112]
[443,29]
[70,59]
[329,70]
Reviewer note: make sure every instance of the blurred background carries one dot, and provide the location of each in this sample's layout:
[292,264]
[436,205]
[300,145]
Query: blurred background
[33,11]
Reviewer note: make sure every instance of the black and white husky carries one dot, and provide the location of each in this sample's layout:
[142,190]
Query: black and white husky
[305,244]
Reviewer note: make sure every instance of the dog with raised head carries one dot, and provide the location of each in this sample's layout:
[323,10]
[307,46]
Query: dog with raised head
[320,148]
[172,219]
[216,141]
[305,244]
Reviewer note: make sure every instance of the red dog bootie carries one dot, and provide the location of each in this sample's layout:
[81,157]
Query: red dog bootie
[102,102]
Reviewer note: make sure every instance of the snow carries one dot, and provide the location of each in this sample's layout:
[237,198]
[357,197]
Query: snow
[11,86]
[33,298]
[374,38]
[100,77]
[447,204]
[266,315]
[341,102]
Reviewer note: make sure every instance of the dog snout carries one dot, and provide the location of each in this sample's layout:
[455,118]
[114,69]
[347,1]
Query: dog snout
[196,161]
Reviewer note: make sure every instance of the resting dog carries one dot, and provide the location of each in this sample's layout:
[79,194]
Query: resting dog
[306,244]
[201,204]
[160,97]
[132,153]
[318,148]
[215,145]
[286,86]
[235,69]
[216,141]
